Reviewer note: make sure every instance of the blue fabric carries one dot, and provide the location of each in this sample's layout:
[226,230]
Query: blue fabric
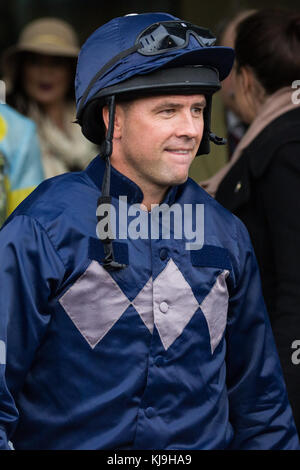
[119,35]
[212,256]
[96,251]
[129,392]
[21,150]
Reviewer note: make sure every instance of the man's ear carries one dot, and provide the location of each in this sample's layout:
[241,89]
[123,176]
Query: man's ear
[118,120]
[105,115]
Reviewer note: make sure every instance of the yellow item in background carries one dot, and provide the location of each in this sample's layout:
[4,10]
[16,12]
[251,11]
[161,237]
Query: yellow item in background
[15,197]
[3,128]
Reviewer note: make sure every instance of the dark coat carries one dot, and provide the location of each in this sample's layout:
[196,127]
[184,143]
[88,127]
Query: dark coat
[263,190]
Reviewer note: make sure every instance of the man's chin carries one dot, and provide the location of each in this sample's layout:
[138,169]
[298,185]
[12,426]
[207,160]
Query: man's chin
[166,181]
[179,179]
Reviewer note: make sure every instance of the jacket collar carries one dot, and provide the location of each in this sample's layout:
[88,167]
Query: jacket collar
[120,185]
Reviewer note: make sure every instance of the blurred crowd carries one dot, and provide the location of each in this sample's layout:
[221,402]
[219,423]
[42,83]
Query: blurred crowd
[260,183]
[257,176]
[38,136]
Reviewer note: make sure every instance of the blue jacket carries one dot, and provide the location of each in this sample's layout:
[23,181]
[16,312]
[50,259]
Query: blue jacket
[173,352]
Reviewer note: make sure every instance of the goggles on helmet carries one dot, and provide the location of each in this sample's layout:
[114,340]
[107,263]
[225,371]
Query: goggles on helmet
[171,35]
[157,38]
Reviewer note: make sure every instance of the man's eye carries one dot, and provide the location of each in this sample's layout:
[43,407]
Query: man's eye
[168,111]
[197,110]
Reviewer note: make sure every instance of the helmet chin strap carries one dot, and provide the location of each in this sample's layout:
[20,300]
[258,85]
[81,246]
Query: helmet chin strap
[109,262]
[217,140]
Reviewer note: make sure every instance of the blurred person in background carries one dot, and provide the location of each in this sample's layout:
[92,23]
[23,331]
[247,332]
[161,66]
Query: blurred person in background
[20,159]
[224,119]
[235,126]
[39,72]
[261,183]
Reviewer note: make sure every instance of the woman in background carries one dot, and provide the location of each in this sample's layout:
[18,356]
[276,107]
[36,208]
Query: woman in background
[261,183]
[40,73]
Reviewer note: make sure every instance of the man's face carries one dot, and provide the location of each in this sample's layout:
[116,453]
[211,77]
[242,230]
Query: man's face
[157,138]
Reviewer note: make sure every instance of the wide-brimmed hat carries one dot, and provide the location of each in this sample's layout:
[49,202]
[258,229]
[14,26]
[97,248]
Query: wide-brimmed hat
[50,36]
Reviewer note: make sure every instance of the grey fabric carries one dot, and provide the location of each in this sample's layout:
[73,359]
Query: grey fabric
[94,303]
[171,288]
[214,308]
[143,305]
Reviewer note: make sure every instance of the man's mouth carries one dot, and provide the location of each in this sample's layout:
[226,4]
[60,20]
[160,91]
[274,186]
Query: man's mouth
[179,151]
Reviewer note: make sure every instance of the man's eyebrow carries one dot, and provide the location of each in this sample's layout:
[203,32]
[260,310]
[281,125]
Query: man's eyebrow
[169,104]
[174,104]
[201,103]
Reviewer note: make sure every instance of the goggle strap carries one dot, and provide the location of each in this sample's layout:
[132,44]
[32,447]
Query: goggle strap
[101,72]
[198,38]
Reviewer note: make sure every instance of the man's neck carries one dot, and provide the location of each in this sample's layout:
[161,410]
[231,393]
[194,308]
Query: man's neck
[153,193]
[153,198]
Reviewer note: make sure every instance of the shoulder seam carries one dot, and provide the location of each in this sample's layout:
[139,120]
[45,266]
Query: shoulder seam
[48,236]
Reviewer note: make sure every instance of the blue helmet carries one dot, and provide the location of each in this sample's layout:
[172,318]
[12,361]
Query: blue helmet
[151,53]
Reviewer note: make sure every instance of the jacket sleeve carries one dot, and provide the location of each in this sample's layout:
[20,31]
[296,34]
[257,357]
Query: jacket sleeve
[30,271]
[259,409]
[282,207]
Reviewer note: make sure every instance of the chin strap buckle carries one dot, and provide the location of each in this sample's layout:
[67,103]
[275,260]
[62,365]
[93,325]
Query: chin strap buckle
[217,140]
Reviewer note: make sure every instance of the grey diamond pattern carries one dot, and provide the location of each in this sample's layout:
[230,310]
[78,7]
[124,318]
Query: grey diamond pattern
[214,308]
[94,303]
[143,305]
[171,288]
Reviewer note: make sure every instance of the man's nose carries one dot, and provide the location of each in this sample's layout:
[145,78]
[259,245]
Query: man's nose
[189,126]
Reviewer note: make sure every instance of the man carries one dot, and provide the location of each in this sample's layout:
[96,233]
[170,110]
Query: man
[138,339]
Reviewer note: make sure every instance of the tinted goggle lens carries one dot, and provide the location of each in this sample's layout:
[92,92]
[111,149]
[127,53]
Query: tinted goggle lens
[168,35]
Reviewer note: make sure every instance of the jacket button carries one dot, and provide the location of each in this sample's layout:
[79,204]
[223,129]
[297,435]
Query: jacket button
[163,254]
[149,412]
[164,307]
[159,361]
